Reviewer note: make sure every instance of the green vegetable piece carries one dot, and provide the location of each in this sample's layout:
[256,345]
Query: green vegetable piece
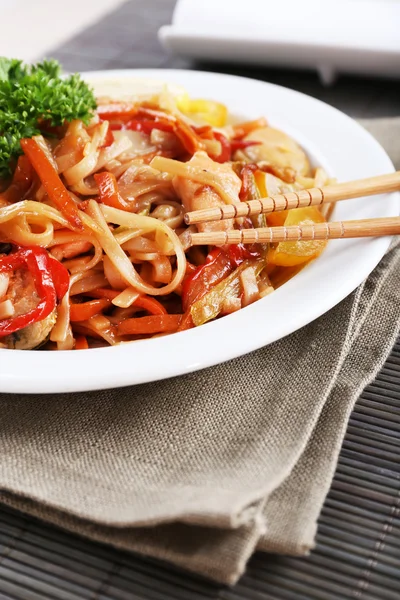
[210,305]
[30,95]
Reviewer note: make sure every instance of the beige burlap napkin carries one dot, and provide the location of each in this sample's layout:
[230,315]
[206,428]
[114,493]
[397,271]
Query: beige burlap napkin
[201,470]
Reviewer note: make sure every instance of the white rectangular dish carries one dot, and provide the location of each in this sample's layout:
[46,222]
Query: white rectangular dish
[348,36]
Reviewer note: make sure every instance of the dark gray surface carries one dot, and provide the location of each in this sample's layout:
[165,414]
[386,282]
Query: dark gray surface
[358,543]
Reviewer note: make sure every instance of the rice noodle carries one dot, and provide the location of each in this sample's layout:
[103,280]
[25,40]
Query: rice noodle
[21,232]
[91,153]
[119,258]
[126,298]
[249,284]
[89,281]
[113,151]
[61,331]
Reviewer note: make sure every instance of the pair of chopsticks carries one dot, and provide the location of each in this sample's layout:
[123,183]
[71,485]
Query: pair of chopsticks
[312,197]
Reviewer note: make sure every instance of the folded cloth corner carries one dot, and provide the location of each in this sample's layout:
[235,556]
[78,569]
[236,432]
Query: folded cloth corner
[203,469]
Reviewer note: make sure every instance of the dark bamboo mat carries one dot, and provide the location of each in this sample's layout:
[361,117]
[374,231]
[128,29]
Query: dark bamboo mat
[358,543]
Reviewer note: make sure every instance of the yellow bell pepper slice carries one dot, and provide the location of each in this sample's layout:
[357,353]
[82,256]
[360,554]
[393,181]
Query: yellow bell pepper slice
[277,219]
[290,254]
[213,113]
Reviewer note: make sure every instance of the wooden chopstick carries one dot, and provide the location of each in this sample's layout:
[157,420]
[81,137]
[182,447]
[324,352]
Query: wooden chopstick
[312,197]
[317,231]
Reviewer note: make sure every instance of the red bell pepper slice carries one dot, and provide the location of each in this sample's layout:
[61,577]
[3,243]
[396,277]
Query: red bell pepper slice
[108,190]
[60,277]
[238,253]
[51,283]
[52,183]
[147,126]
[226,148]
[217,266]
[204,131]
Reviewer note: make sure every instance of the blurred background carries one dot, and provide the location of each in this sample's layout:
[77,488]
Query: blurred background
[109,34]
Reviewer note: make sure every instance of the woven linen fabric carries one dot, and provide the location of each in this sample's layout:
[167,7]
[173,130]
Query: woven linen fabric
[203,469]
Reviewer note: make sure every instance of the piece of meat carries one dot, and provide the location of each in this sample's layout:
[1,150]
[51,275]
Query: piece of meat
[196,196]
[22,293]
[276,148]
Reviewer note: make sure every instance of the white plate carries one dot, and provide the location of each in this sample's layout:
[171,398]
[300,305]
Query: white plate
[333,140]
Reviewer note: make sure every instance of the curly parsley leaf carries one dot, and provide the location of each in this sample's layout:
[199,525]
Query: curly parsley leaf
[33,94]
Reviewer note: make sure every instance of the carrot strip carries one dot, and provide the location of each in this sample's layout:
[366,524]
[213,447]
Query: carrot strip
[116,110]
[108,191]
[188,137]
[103,293]
[51,181]
[149,325]
[152,305]
[81,343]
[86,310]
[187,322]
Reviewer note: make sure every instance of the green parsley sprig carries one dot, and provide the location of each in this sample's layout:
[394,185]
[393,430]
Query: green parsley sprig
[33,94]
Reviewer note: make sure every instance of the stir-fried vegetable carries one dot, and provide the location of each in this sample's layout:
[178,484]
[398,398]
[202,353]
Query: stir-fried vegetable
[51,181]
[108,191]
[210,305]
[290,254]
[241,252]
[278,149]
[198,283]
[51,281]
[211,112]
[86,310]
